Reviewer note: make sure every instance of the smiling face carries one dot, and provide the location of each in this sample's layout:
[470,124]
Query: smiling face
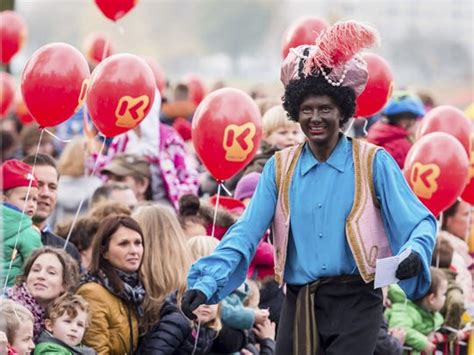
[47,177]
[125,250]
[45,279]
[320,120]
[68,329]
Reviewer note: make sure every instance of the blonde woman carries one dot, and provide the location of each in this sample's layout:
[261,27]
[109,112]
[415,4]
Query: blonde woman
[73,185]
[172,332]
[166,260]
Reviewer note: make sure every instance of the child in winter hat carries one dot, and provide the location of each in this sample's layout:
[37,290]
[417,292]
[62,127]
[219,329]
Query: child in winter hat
[19,202]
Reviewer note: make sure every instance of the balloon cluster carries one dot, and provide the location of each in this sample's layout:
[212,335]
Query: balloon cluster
[440,165]
[118,95]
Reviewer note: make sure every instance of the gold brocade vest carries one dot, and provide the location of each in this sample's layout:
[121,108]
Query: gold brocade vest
[364,227]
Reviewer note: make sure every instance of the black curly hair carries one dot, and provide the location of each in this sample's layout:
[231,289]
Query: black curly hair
[299,90]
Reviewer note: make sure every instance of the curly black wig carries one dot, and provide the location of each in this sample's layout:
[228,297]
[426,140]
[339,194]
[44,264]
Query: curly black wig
[299,90]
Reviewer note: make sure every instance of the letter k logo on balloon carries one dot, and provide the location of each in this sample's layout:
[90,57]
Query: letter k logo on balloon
[130,111]
[423,179]
[238,141]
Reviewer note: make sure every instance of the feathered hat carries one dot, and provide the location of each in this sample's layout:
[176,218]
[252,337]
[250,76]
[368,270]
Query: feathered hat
[334,56]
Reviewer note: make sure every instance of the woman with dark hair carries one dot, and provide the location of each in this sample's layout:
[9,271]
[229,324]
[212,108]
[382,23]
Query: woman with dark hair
[47,274]
[113,288]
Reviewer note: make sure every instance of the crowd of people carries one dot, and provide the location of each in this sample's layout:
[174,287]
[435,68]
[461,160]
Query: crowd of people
[98,244]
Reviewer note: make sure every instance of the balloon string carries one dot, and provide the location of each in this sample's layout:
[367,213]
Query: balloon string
[440,223]
[364,129]
[197,337]
[226,190]
[120,29]
[14,254]
[76,215]
[351,122]
[55,136]
[106,47]
[215,209]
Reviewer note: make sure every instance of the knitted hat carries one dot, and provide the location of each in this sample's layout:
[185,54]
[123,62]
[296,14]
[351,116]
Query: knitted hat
[404,102]
[15,173]
[246,186]
[333,56]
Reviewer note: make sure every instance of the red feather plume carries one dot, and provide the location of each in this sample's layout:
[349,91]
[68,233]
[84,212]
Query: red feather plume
[339,43]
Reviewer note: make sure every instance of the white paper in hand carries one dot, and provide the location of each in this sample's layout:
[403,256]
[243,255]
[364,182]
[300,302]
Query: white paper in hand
[386,268]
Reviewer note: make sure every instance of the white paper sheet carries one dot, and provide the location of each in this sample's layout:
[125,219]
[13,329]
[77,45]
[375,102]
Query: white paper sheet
[386,268]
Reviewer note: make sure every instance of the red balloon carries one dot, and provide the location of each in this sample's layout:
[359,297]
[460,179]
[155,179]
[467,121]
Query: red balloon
[226,132]
[450,120]
[115,9]
[303,31]
[468,193]
[98,46]
[379,86]
[158,73]
[22,112]
[196,86]
[7,93]
[54,83]
[12,33]
[436,169]
[121,93]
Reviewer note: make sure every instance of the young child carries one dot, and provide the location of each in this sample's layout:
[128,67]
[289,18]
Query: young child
[420,319]
[20,237]
[278,130]
[16,322]
[262,337]
[66,321]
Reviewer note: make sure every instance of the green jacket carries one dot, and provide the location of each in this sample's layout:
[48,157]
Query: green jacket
[417,322]
[49,345]
[28,240]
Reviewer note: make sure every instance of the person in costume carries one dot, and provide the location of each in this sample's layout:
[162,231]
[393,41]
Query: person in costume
[337,205]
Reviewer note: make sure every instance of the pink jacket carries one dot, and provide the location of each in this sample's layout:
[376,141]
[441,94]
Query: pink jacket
[166,153]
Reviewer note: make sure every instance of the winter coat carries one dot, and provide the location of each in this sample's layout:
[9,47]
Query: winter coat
[462,263]
[417,322]
[263,262]
[29,239]
[51,239]
[271,297]
[48,344]
[174,334]
[234,313]
[393,138]
[113,325]
[267,345]
[386,344]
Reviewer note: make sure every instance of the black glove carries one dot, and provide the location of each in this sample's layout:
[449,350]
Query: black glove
[192,299]
[409,267]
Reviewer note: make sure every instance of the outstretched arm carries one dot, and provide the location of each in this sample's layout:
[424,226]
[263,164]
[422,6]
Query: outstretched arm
[223,271]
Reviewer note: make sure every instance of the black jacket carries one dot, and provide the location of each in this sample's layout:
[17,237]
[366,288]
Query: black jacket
[386,344]
[52,240]
[174,334]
